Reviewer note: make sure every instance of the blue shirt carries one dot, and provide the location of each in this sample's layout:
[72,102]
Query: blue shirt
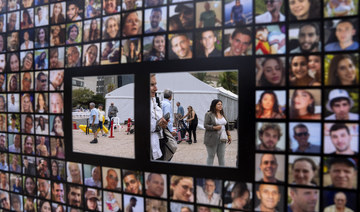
[180,111]
[335,46]
[237,13]
[94,112]
[166,108]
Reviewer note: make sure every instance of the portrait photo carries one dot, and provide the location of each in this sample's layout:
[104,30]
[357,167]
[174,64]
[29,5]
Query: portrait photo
[56,102]
[130,4]
[92,8]
[341,138]
[41,37]
[304,170]
[74,10]
[112,6]
[15,166]
[111,178]
[155,20]
[42,142]
[13,102]
[74,33]
[57,13]
[180,46]
[41,59]
[13,5]
[13,41]
[56,80]
[74,172]
[92,30]
[41,103]
[208,14]
[28,147]
[238,195]
[14,141]
[263,199]
[13,123]
[270,168]
[340,104]
[92,175]
[341,35]
[13,62]
[305,104]
[153,3]
[176,206]
[270,104]
[3,128]
[341,69]
[337,8]
[3,23]
[27,83]
[13,21]
[344,200]
[300,73]
[305,10]
[154,48]
[43,167]
[27,3]
[270,39]
[73,56]
[111,27]
[155,185]
[237,42]
[41,15]
[181,17]
[91,55]
[110,53]
[112,201]
[155,204]
[27,39]
[297,196]
[131,50]
[56,125]
[56,58]
[57,148]
[27,60]
[206,187]
[3,103]
[2,63]
[41,81]
[305,37]
[13,82]
[42,128]
[132,181]
[304,137]
[270,72]
[2,82]
[57,35]
[238,13]
[135,203]
[269,11]
[209,44]
[27,18]
[131,23]
[27,122]
[270,136]
[180,183]
[93,199]
[335,166]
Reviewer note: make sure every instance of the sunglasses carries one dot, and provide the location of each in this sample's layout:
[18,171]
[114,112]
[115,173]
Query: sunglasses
[302,134]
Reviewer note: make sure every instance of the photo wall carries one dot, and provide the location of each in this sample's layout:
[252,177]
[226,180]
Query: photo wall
[297,88]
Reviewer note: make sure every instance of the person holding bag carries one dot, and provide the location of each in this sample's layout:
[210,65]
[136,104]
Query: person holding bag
[216,133]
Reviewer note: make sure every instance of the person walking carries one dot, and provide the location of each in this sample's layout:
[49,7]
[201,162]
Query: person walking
[112,112]
[94,121]
[192,120]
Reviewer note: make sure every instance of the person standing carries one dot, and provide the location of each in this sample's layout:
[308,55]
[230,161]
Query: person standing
[192,123]
[112,112]
[94,121]
[216,132]
[167,108]
[101,118]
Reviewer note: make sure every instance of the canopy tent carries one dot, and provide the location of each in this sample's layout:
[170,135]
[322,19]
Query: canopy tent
[187,89]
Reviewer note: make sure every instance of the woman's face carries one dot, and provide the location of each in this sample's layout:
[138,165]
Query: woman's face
[57,9]
[91,55]
[240,202]
[54,169]
[45,207]
[2,103]
[346,71]
[16,204]
[183,190]
[112,28]
[299,67]
[41,35]
[14,63]
[58,125]
[25,17]
[159,44]
[29,145]
[218,106]
[26,104]
[314,63]
[41,101]
[91,204]
[30,185]
[268,102]
[13,83]
[59,78]
[59,209]
[93,24]
[303,173]
[56,31]
[28,61]
[26,36]
[300,8]
[54,59]
[73,33]
[302,99]
[132,46]
[132,24]
[41,120]
[272,72]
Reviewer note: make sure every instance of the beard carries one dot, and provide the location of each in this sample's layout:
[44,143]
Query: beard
[311,49]
[154,24]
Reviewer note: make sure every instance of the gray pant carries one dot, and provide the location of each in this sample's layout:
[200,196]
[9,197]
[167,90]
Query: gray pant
[218,149]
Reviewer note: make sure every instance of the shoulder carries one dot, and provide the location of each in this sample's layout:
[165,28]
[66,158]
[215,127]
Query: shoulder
[332,46]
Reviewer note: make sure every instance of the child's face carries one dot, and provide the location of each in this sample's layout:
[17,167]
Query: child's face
[262,35]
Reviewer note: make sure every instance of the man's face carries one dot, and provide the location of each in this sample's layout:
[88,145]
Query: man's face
[2,142]
[181,46]
[42,83]
[342,175]
[2,79]
[39,13]
[12,21]
[73,56]
[239,44]
[58,192]
[268,195]
[74,171]
[132,185]
[130,4]
[28,125]
[17,140]
[155,19]
[186,17]
[155,186]
[344,32]
[210,187]
[109,6]
[72,12]
[133,202]
[305,199]
[340,200]
[341,139]
[208,40]
[341,109]
[4,201]
[153,87]
[96,174]
[269,139]
[26,82]
[301,136]
[43,188]
[112,179]
[74,196]
[308,39]
[273,5]
[268,165]
[2,62]
[14,38]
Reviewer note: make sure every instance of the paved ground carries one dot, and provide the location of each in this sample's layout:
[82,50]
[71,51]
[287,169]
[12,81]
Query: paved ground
[123,146]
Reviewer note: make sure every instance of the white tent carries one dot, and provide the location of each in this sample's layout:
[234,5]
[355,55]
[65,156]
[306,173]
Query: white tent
[187,90]
[123,99]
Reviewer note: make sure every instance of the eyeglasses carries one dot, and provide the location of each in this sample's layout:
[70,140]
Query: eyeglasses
[43,80]
[302,134]
[3,199]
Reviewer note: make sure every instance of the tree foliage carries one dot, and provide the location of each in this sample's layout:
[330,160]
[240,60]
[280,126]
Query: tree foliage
[229,81]
[82,97]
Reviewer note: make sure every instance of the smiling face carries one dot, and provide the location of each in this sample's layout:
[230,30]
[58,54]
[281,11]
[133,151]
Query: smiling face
[314,63]
[14,62]
[109,6]
[300,8]
[180,45]
[72,12]
[272,71]
[303,173]
[155,19]
[342,175]
[208,40]
[58,126]
[299,67]
[29,145]
[57,9]
[267,102]
[346,71]
[239,44]
[56,103]
[308,39]
[112,28]
[268,166]
[30,186]
[132,184]
[341,140]
[74,32]
[41,35]
[155,186]
[159,43]
[269,196]
[28,61]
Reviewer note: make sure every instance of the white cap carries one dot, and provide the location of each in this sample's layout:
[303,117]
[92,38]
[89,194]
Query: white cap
[338,93]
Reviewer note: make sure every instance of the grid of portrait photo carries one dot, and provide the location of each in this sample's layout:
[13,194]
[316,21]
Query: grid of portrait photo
[306,55]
